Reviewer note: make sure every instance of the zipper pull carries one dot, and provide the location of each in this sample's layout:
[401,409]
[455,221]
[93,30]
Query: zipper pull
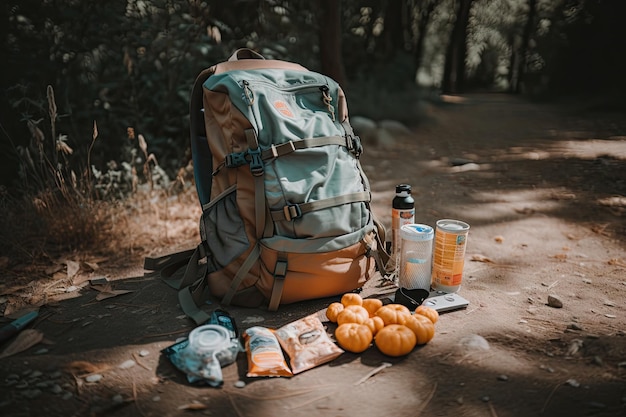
[247,91]
[327,99]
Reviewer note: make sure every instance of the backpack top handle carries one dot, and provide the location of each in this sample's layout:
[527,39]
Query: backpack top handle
[245,53]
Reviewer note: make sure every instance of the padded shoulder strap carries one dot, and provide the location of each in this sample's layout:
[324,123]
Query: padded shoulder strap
[200,151]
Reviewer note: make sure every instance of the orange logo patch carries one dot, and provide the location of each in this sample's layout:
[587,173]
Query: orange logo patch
[282,107]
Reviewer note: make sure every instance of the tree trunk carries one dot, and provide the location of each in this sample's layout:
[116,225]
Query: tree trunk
[523,52]
[393,33]
[331,60]
[422,26]
[454,67]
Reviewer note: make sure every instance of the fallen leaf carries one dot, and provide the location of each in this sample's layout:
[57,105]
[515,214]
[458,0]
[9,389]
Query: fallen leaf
[499,239]
[110,294]
[72,268]
[480,258]
[51,270]
[90,266]
[26,339]
[85,368]
[559,256]
[193,406]
[617,261]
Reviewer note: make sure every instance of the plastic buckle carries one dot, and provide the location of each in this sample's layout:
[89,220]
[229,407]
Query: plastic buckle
[354,144]
[280,270]
[234,160]
[292,211]
[256,162]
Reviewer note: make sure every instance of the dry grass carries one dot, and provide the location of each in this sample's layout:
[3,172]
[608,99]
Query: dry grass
[62,218]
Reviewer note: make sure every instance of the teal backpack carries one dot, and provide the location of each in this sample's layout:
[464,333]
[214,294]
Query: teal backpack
[286,210]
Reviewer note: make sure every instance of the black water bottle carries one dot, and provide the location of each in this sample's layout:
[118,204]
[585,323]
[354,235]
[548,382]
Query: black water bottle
[402,212]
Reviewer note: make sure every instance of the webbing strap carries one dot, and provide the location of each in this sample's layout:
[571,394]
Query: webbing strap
[259,184]
[192,286]
[280,272]
[236,159]
[167,265]
[240,275]
[292,146]
[293,211]
[190,297]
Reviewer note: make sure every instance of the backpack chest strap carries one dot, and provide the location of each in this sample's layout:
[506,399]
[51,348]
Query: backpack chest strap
[293,211]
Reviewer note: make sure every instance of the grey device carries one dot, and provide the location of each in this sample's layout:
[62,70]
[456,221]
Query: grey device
[445,301]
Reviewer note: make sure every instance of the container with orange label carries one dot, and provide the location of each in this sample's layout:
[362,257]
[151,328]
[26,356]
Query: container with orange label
[449,254]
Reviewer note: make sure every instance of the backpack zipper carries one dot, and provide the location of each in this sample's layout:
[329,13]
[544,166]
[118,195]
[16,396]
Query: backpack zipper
[322,88]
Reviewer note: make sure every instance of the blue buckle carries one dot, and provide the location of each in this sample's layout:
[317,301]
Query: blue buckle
[234,160]
[292,211]
[256,162]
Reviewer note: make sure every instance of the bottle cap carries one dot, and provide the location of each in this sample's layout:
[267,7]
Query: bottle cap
[403,188]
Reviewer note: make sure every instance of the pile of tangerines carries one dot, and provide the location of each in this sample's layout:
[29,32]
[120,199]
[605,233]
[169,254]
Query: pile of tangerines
[393,328]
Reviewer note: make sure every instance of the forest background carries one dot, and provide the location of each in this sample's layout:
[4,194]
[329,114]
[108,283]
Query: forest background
[94,95]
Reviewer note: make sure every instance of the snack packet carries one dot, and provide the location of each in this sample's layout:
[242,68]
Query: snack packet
[265,357]
[307,344]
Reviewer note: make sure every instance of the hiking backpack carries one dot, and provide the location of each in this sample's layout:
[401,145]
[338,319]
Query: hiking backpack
[285,204]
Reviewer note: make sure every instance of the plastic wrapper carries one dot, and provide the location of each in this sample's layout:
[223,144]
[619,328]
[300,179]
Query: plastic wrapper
[307,344]
[208,348]
[265,356]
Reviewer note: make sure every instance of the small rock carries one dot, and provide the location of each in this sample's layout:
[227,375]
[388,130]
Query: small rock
[474,342]
[143,353]
[252,319]
[240,384]
[56,374]
[35,374]
[127,364]
[67,396]
[56,389]
[572,383]
[554,301]
[597,360]
[587,281]
[485,399]
[156,398]
[117,399]
[503,378]
[31,393]
[93,378]
[574,347]
[574,326]
[459,400]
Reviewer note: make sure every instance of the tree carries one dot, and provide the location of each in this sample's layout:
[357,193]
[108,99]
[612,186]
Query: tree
[425,12]
[516,83]
[454,67]
[330,40]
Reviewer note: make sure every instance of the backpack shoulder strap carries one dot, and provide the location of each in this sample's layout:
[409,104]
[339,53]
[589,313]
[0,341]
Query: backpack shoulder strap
[200,151]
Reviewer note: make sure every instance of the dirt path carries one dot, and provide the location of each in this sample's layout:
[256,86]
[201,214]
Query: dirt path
[544,190]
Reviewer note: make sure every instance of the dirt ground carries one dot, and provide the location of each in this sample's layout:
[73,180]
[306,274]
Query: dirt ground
[544,190]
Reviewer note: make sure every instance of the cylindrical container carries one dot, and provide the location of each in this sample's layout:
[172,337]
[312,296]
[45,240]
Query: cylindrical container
[416,256]
[402,212]
[211,341]
[449,254]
